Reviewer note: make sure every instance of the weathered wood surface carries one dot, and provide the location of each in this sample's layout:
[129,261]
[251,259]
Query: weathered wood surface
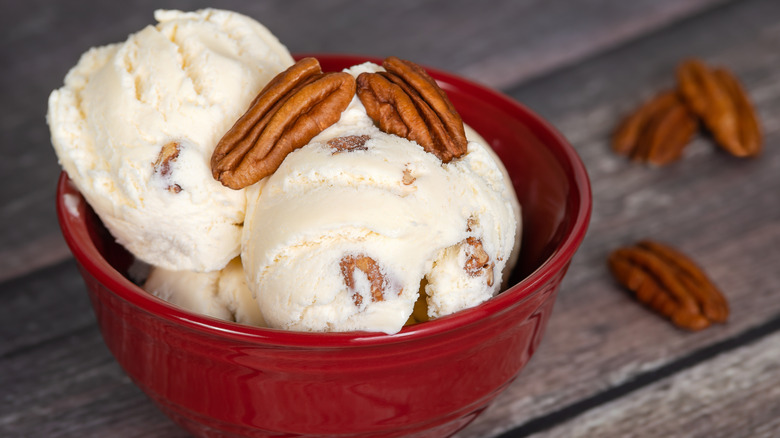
[58,379]
[732,396]
[723,211]
[601,349]
[41,39]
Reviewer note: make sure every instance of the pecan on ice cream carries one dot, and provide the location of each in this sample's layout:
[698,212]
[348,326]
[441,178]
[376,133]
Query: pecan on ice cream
[405,101]
[295,106]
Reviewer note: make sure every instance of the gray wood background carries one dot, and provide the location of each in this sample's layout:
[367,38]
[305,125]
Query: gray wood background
[606,367]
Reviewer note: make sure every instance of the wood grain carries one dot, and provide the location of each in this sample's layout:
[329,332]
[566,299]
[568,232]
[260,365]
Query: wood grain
[57,377]
[500,45]
[734,395]
[74,388]
[723,211]
[42,307]
[59,380]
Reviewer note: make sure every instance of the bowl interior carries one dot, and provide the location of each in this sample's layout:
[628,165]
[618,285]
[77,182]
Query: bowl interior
[548,177]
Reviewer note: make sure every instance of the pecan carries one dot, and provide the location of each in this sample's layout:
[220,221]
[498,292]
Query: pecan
[408,178]
[295,106]
[405,101]
[667,134]
[392,109]
[724,107]
[349,143]
[747,121]
[478,261]
[162,165]
[629,132]
[370,268]
[658,131]
[670,283]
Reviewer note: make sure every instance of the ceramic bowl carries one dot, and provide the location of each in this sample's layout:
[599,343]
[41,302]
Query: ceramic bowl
[216,378]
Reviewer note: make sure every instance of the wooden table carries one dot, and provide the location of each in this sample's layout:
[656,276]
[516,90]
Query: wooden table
[607,367]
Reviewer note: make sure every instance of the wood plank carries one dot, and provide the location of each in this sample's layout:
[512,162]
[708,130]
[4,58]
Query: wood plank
[723,211]
[43,307]
[500,45]
[735,395]
[57,377]
[75,388]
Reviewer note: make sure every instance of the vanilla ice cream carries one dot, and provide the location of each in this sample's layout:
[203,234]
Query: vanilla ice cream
[221,294]
[136,123]
[344,234]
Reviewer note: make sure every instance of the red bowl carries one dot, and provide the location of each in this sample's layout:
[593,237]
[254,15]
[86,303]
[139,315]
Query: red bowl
[216,378]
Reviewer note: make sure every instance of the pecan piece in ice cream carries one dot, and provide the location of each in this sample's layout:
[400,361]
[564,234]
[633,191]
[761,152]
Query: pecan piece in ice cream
[162,165]
[295,106]
[408,179]
[405,101]
[670,283]
[348,143]
[369,267]
[478,260]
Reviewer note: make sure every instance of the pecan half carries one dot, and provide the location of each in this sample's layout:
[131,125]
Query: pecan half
[162,165]
[722,105]
[405,101]
[666,135]
[629,132]
[370,268]
[295,106]
[349,143]
[658,131]
[670,283]
[478,261]
[747,121]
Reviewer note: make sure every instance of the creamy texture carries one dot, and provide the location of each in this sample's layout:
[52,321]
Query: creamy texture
[334,240]
[473,136]
[221,294]
[184,81]
[392,202]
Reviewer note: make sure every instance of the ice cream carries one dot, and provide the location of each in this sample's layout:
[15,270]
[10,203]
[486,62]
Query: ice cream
[136,123]
[221,294]
[358,229]
[344,234]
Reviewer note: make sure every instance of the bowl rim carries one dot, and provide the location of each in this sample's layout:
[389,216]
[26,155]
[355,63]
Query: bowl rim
[89,258]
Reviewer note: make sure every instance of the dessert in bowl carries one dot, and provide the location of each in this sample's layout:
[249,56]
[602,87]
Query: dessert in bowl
[362,234]
[354,200]
[217,378]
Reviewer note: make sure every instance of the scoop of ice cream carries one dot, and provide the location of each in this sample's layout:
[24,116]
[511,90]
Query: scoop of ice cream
[221,294]
[473,136]
[136,123]
[344,234]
